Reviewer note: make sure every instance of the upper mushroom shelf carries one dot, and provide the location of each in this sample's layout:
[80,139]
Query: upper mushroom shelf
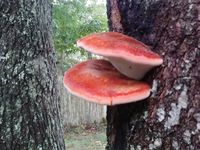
[130,56]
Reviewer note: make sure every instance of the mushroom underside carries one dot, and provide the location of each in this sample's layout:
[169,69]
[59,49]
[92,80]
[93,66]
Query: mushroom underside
[130,69]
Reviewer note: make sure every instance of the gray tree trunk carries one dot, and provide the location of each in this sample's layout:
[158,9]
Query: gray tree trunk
[29,100]
[170,117]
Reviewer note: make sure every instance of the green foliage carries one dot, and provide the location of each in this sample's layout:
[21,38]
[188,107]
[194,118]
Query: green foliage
[73,19]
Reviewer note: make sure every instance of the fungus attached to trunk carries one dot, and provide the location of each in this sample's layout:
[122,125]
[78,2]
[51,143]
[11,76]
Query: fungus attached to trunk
[130,56]
[98,81]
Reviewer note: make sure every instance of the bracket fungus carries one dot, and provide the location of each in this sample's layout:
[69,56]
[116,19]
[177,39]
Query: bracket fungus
[114,80]
[98,81]
[130,56]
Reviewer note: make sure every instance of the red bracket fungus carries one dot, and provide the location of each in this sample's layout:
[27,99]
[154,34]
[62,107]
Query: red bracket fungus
[109,81]
[98,81]
[130,56]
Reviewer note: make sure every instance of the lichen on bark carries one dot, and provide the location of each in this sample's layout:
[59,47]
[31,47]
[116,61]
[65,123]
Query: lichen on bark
[170,28]
[29,100]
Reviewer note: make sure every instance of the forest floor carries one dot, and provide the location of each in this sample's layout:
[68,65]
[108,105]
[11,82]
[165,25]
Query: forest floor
[86,137]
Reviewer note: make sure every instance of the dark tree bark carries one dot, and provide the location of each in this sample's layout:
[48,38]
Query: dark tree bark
[29,100]
[170,117]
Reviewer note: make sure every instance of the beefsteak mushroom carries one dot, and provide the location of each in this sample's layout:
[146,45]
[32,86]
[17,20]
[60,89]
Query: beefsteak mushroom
[98,81]
[130,56]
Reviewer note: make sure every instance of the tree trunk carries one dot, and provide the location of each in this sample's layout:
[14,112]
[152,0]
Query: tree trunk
[170,117]
[29,100]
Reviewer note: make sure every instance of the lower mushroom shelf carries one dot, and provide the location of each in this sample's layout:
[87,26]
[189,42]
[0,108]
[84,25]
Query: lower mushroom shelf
[98,81]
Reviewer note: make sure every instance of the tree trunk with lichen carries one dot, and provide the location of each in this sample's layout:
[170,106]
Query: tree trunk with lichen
[170,117]
[29,101]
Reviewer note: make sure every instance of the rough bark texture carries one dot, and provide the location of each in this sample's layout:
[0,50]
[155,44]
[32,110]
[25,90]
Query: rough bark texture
[29,101]
[170,117]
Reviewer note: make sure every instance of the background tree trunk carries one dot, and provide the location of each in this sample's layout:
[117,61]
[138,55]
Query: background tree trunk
[29,101]
[170,117]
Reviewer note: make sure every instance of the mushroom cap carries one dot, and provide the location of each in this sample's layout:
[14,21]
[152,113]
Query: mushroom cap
[98,81]
[114,44]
